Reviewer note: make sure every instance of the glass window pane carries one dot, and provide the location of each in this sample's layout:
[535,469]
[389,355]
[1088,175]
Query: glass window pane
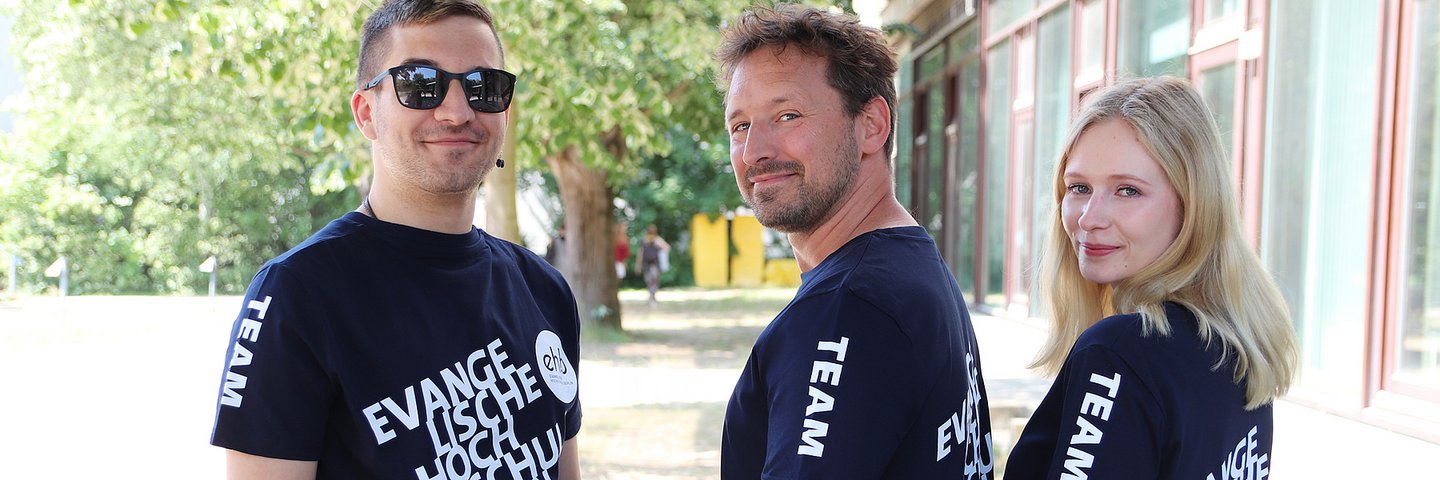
[1005,12]
[1154,35]
[904,138]
[922,153]
[1092,40]
[935,160]
[1419,343]
[932,63]
[1022,234]
[1319,139]
[997,143]
[965,43]
[961,216]
[1221,8]
[1217,86]
[1024,72]
[1052,119]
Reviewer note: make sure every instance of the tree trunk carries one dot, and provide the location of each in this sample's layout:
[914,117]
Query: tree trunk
[589,253]
[500,217]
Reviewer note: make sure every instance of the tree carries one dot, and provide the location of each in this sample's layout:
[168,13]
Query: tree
[604,84]
[601,83]
[137,165]
[499,194]
[643,67]
[695,177]
[217,94]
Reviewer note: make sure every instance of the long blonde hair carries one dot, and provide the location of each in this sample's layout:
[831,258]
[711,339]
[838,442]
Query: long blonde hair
[1209,268]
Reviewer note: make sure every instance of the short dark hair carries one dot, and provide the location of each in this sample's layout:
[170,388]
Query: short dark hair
[859,61]
[374,42]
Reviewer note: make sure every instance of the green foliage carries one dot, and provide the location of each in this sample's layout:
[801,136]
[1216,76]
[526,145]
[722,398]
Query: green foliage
[611,77]
[695,177]
[136,157]
[619,79]
[630,85]
[158,132]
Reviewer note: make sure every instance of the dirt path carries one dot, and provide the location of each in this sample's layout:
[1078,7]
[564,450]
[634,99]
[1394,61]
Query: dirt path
[655,396]
[125,386]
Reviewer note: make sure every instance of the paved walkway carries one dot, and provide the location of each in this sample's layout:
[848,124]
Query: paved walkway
[125,387]
[1308,444]
[111,387]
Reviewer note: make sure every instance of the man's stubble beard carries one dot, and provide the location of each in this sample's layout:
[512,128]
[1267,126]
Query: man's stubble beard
[811,207]
[415,166]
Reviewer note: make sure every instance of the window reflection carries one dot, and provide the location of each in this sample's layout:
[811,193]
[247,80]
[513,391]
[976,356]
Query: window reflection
[1154,35]
[1419,345]
[1320,107]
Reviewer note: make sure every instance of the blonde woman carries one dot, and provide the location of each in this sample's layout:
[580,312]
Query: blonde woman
[1169,340]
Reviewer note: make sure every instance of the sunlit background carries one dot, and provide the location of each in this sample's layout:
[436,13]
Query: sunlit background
[141,140]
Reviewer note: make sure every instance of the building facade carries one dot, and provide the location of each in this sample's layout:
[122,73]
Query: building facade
[1332,112]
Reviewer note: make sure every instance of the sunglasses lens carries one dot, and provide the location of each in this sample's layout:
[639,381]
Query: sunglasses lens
[423,88]
[489,91]
[418,87]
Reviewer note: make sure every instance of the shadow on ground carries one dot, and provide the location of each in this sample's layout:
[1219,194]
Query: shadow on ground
[697,347]
[687,328]
[655,393]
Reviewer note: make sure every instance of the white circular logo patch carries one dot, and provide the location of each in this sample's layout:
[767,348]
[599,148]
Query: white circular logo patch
[555,368]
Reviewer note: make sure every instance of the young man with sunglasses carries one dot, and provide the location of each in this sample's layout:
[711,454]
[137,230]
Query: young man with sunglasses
[872,371]
[400,341]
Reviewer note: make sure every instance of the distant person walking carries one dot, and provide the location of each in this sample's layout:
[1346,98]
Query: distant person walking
[654,258]
[556,248]
[622,249]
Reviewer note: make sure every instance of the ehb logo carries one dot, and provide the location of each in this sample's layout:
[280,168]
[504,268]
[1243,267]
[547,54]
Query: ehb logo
[553,361]
[558,372]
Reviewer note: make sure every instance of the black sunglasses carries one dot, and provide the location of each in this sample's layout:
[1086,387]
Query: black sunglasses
[423,87]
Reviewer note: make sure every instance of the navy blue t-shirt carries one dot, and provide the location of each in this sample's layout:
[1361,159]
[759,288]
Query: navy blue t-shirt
[871,372]
[1144,407]
[385,351]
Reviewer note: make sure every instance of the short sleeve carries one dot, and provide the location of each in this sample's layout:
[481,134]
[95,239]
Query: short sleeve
[1109,422]
[842,408]
[274,393]
[558,312]
[574,413]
